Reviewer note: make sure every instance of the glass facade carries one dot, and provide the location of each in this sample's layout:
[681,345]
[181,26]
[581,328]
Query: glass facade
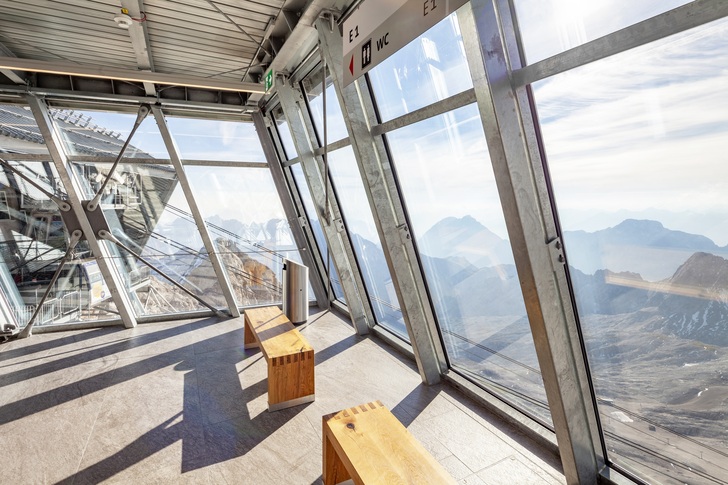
[643,212]
[563,238]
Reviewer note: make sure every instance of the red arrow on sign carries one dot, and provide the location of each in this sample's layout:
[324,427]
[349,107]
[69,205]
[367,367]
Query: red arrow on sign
[351,65]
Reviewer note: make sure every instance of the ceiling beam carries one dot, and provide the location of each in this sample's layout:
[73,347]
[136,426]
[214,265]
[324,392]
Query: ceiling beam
[140,39]
[16,77]
[68,69]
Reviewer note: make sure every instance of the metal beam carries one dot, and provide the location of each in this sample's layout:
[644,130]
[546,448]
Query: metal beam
[16,77]
[99,72]
[203,108]
[388,211]
[490,46]
[140,40]
[682,18]
[330,218]
[292,213]
[75,193]
[23,157]
[440,107]
[222,276]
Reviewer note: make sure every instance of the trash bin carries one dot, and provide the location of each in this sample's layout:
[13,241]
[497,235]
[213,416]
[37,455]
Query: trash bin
[295,291]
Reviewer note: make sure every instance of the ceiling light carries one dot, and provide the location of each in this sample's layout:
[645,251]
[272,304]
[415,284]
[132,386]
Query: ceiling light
[123,21]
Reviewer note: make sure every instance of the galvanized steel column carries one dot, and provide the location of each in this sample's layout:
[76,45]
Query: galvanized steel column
[338,242]
[75,193]
[222,276]
[292,213]
[492,53]
[386,206]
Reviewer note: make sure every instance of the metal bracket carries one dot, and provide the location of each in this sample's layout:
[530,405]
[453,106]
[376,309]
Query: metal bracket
[557,252]
[302,221]
[339,224]
[404,233]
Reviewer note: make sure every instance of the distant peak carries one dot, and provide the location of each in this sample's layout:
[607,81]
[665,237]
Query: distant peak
[641,224]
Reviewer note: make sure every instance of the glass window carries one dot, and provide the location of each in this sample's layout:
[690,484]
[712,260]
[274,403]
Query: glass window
[33,242]
[313,87]
[549,27]
[19,133]
[428,69]
[457,220]
[365,239]
[147,212]
[284,133]
[246,220]
[232,141]
[104,133]
[637,148]
[316,228]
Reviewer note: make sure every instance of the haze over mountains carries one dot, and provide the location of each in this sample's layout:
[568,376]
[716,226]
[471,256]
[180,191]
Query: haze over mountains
[675,281]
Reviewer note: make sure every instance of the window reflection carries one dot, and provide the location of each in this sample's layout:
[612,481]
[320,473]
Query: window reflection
[313,87]
[355,207]
[246,220]
[232,141]
[103,134]
[316,228]
[33,236]
[448,185]
[553,26]
[284,133]
[637,153]
[428,69]
[147,212]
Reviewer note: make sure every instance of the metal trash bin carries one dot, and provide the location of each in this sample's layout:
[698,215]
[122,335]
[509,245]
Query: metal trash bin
[295,291]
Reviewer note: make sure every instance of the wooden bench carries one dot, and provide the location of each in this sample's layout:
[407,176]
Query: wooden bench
[368,445]
[289,356]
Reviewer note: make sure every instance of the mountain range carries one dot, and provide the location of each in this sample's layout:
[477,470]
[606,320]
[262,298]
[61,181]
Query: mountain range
[685,293]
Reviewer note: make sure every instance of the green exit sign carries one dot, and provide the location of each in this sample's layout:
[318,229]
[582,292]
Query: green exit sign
[270,80]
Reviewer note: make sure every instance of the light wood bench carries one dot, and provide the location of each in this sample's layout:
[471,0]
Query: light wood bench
[368,445]
[289,356]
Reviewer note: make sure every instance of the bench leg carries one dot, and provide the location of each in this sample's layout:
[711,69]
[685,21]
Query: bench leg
[290,380]
[334,470]
[249,341]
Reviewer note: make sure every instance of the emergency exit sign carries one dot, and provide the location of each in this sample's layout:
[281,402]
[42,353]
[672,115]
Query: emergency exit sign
[270,80]
[379,28]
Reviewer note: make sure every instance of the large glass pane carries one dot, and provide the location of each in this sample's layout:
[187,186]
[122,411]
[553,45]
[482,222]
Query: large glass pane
[430,68]
[246,220]
[448,185]
[316,228]
[365,240]
[638,153]
[147,212]
[549,27]
[216,140]
[103,134]
[33,242]
[19,133]
[335,126]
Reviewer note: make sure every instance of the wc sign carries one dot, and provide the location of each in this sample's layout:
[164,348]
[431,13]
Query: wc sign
[379,28]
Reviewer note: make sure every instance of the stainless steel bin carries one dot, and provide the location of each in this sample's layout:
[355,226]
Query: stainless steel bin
[295,291]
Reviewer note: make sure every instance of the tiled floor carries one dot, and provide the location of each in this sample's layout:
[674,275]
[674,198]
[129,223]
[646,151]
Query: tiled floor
[182,402]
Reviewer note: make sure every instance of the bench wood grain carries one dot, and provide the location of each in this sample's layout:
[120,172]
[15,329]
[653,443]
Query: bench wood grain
[289,356]
[369,445]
